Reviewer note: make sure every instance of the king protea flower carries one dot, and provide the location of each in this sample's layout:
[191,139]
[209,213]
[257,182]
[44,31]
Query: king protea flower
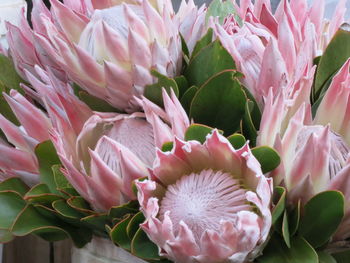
[108,51]
[206,202]
[17,157]
[277,51]
[314,153]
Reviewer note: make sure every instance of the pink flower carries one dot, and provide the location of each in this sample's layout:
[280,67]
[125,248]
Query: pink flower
[107,47]
[206,203]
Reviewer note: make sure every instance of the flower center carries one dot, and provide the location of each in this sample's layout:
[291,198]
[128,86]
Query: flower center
[136,134]
[203,200]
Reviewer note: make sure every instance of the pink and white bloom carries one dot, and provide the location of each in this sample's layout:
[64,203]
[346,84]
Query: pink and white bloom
[109,52]
[206,202]
[314,152]
[17,157]
[277,50]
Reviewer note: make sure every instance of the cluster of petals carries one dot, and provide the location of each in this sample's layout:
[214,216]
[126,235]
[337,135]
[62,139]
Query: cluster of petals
[206,202]
[103,153]
[314,151]
[277,50]
[107,49]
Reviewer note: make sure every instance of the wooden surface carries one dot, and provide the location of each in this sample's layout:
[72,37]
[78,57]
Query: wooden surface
[32,249]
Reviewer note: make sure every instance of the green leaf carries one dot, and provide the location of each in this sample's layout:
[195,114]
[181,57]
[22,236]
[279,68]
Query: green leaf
[7,112]
[134,224]
[167,147]
[299,252]
[279,197]
[66,211]
[8,74]
[285,230]
[329,208]
[335,55]
[182,84]
[324,257]
[47,157]
[342,257]
[6,236]
[96,222]
[154,92]
[41,194]
[142,247]
[119,212]
[93,102]
[11,205]
[30,221]
[211,60]
[119,235]
[78,203]
[237,140]
[294,218]
[197,132]
[185,50]
[222,9]
[247,126]
[187,98]
[267,157]
[220,103]
[14,184]
[203,42]
[60,180]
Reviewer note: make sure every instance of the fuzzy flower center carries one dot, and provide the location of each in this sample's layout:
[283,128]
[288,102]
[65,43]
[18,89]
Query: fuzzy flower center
[202,200]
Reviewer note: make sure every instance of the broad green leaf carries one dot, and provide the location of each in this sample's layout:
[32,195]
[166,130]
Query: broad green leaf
[167,147]
[187,98]
[14,184]
[220,103]
[66,211]
[324,257]
[8,74]
[60,180]
[294,218]
[47,157]
[154,92]
[134,224]
[329,208]
[6,236]
[237,140]
[211,60]
[300,251]
[41,194]
[279,200]
[342,257]
[119,212]
[96,222]
[247,125]
[93,102]
[182,84]
[30,221]
[185,50]
[78,203]
[142,247]
[285,229]
[221,9]
[119,235]
[197,132]
[11,205]
[203,42]
[335,55]
[267,157]
[7,112]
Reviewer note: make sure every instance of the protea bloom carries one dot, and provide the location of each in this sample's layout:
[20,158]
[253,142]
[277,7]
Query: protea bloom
[206,202]
[17,157]
[108,51]
[314,153]
[277,51]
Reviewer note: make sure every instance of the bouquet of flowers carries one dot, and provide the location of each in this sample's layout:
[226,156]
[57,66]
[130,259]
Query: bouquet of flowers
[207,135]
